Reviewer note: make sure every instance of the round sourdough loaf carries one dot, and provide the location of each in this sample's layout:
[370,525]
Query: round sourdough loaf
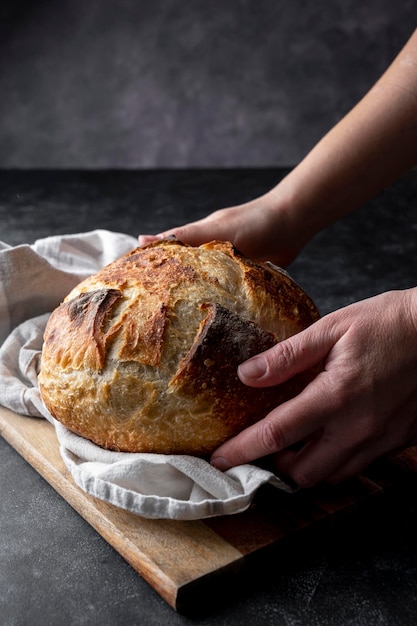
[142,356]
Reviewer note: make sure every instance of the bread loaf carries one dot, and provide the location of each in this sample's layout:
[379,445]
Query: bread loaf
[142,356]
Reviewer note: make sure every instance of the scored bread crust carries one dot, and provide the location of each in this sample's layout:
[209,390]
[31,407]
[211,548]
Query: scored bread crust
[142,356]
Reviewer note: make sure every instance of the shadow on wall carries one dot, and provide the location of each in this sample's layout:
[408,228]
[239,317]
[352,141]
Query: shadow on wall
[164,83]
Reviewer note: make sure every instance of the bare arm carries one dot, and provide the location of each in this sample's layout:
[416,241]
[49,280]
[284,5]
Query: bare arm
[367,150]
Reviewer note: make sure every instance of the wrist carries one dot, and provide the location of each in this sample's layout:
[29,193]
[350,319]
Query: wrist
[297,208]
[411,306]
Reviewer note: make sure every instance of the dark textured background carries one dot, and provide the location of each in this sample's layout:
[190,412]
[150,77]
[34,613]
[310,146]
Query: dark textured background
[166,83]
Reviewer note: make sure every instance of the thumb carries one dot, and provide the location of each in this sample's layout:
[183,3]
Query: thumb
[194,234]
[288,357]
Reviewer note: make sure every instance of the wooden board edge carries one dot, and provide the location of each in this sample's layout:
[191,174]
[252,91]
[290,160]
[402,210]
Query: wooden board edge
[93,511]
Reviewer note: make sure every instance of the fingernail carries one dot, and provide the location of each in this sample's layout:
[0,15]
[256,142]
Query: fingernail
[254,368]
[220,463]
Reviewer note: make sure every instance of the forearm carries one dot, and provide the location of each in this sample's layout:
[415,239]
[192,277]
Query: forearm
[366,151]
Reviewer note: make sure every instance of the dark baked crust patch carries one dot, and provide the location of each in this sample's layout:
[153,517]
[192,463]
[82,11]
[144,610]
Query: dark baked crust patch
[209,371]
[82,318]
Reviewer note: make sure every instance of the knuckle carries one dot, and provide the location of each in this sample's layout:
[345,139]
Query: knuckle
[271,436]
[283,354]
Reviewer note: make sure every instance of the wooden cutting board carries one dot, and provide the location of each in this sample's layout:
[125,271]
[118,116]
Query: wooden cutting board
[181,560]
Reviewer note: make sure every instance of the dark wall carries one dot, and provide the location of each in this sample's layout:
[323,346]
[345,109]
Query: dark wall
[172,83]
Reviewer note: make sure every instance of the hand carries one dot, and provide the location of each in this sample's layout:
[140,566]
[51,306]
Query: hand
[260,229]
[361,406]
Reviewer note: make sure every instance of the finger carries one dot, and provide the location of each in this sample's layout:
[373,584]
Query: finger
[144,239]
[193,234]
[197,233]
[399,434]
[294,421]
[341,454]
[289,357]
[352,467]
[313,464]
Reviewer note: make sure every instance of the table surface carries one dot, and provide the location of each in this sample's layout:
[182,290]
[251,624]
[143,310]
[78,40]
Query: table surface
[55,569]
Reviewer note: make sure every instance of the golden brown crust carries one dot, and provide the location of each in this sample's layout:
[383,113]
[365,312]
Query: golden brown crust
[142,356]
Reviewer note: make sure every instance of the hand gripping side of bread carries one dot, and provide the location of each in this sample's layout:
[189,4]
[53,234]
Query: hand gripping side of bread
[143,355]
